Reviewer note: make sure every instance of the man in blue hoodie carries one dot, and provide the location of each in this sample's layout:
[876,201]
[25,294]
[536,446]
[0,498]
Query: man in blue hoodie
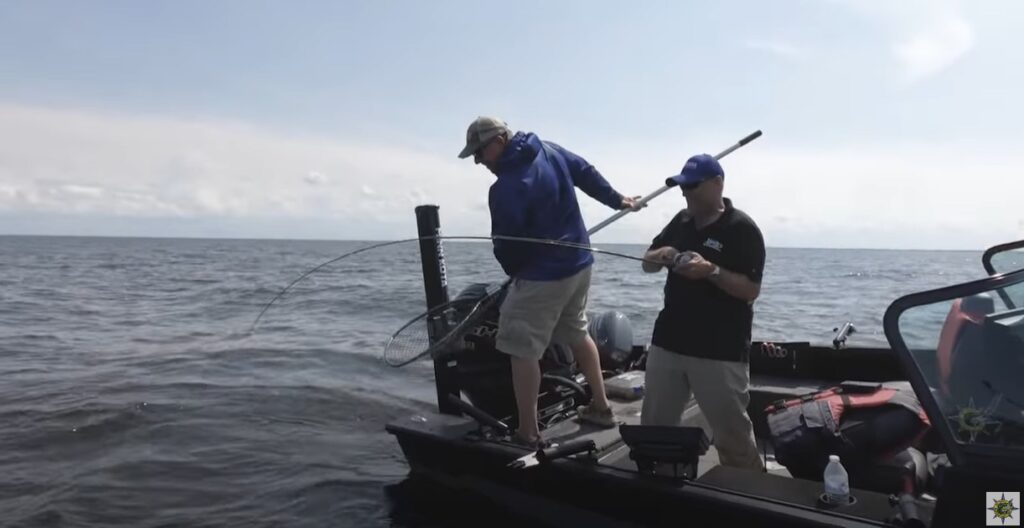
[535,197]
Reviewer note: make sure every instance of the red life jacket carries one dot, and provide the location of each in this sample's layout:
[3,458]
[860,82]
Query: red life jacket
[838,401]
[807,429]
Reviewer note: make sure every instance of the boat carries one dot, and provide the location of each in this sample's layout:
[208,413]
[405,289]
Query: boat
[959,349]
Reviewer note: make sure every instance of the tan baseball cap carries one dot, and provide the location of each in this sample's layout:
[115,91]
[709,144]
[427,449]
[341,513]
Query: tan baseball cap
[482,130]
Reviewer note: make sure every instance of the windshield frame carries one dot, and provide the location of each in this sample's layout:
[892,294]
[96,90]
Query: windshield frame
[975,454]
[986,258]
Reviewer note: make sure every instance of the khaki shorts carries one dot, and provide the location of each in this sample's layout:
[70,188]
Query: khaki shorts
[536,314]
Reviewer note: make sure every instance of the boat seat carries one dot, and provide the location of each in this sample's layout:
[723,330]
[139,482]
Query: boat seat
[905,471]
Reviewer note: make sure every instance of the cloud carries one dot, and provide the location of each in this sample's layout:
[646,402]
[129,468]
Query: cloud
[83,190]
[60,160]
[928,36]
[315,178]
[870,195]
[935,47]
[209,178]
[778,48]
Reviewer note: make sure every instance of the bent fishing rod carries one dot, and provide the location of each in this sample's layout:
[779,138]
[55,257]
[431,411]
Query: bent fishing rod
[542,241]
[639,205]
[445,325]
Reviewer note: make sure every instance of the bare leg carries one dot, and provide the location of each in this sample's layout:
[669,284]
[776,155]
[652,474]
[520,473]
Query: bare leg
[585,353]
[526,383]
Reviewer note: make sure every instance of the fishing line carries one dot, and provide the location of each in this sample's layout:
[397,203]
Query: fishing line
[639,205]
[542,241]
[445,325]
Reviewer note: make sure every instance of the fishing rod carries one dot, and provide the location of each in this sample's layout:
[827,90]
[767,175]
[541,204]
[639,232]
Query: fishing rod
[318,268]
[643,202]
[413,341]
[433,345]
[543,241]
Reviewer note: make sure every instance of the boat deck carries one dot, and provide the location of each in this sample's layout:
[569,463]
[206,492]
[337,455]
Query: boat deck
[615,453]
[431,442]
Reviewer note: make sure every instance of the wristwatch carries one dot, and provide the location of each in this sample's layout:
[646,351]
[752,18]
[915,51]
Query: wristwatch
[715,272]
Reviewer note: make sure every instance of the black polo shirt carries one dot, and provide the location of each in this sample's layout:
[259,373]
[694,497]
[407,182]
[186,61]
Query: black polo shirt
[700,319]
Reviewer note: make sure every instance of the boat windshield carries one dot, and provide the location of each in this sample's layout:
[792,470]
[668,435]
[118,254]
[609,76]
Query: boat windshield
[1004,258]
[963,348]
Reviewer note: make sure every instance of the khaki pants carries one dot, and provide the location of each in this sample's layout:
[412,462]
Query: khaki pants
[536,314]
[720,388]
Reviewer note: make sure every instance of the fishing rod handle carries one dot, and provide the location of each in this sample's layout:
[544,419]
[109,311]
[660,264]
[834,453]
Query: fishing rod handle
[643,201]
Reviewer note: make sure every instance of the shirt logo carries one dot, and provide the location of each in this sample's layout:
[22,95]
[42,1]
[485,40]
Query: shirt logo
[713,244]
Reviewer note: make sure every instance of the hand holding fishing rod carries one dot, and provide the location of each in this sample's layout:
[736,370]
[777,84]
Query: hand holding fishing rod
[436,330]
[643,201]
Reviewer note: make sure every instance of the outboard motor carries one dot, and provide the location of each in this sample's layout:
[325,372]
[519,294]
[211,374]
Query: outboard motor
[613,334]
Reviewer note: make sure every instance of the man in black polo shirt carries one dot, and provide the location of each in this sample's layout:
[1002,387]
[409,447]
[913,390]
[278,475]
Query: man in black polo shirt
[715,256]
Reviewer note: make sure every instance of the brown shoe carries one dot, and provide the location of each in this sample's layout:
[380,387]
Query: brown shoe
[601,418]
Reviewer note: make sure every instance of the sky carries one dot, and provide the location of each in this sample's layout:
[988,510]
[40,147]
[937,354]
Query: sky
[887,123]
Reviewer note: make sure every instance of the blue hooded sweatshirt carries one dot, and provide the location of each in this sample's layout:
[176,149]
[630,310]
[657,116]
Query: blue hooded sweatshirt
[535,197]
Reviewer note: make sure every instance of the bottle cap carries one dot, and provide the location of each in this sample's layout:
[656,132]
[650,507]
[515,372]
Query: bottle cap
[833,458]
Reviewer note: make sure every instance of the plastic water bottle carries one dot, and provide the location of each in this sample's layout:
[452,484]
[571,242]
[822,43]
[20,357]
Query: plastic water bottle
[837,482]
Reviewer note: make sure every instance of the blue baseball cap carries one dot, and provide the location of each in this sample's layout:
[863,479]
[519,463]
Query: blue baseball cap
[697,169]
